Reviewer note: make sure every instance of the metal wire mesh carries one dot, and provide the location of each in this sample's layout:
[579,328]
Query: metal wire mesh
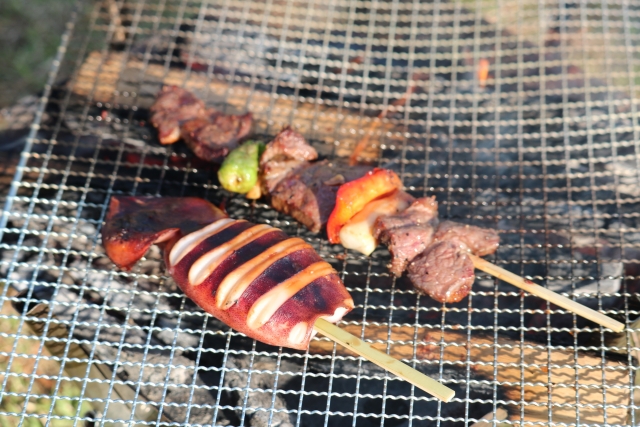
[516,114]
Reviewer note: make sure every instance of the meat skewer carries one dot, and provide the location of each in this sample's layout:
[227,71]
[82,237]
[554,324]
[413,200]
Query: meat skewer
[436,255]
[253,277]
[439,257]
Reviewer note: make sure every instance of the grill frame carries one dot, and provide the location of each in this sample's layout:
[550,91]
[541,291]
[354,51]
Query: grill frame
[107,24]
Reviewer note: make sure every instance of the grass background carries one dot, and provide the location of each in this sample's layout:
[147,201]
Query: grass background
[30,32]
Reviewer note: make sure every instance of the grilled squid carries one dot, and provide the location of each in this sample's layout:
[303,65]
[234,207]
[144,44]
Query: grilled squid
[253,277]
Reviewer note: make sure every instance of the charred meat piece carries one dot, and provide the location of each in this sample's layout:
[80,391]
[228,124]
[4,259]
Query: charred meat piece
[288,145]
[173,107]
[288,151]
[308,193]
[254,278]
[408,233]
[481,241]
[444,271]
[435,255]
[405,244]
[275,171]
[212,135]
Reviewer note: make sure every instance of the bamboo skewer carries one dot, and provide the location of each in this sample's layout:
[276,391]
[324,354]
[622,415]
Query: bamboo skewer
[544,293]
[383,360]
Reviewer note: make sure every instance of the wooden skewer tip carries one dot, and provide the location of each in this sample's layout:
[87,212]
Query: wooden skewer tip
[544,293]
[385,361]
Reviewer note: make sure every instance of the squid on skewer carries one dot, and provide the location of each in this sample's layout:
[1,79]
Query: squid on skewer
[253,277]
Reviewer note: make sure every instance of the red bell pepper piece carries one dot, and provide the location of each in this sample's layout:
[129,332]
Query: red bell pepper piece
[354,195]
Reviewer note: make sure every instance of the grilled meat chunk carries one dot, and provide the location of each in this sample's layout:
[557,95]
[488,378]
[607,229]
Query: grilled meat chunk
[173,107]
[212,135]
[435,255]
[275,171]
[444,271]
[405,244]
[408,233]
[308,193]
[288,144]
[288,151]
[481,241]
[254,278]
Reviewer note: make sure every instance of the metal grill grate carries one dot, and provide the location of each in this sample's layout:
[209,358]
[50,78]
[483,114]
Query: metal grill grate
[545,148]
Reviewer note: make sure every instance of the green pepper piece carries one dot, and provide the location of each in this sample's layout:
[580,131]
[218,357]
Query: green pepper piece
[239,171]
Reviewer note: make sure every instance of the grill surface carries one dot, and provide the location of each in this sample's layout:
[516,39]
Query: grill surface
[545,149]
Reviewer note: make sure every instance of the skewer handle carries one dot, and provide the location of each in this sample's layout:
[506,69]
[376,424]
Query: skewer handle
[544,293]
[383,360]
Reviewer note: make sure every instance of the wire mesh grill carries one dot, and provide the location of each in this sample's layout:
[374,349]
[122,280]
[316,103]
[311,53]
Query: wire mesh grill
[516,114]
